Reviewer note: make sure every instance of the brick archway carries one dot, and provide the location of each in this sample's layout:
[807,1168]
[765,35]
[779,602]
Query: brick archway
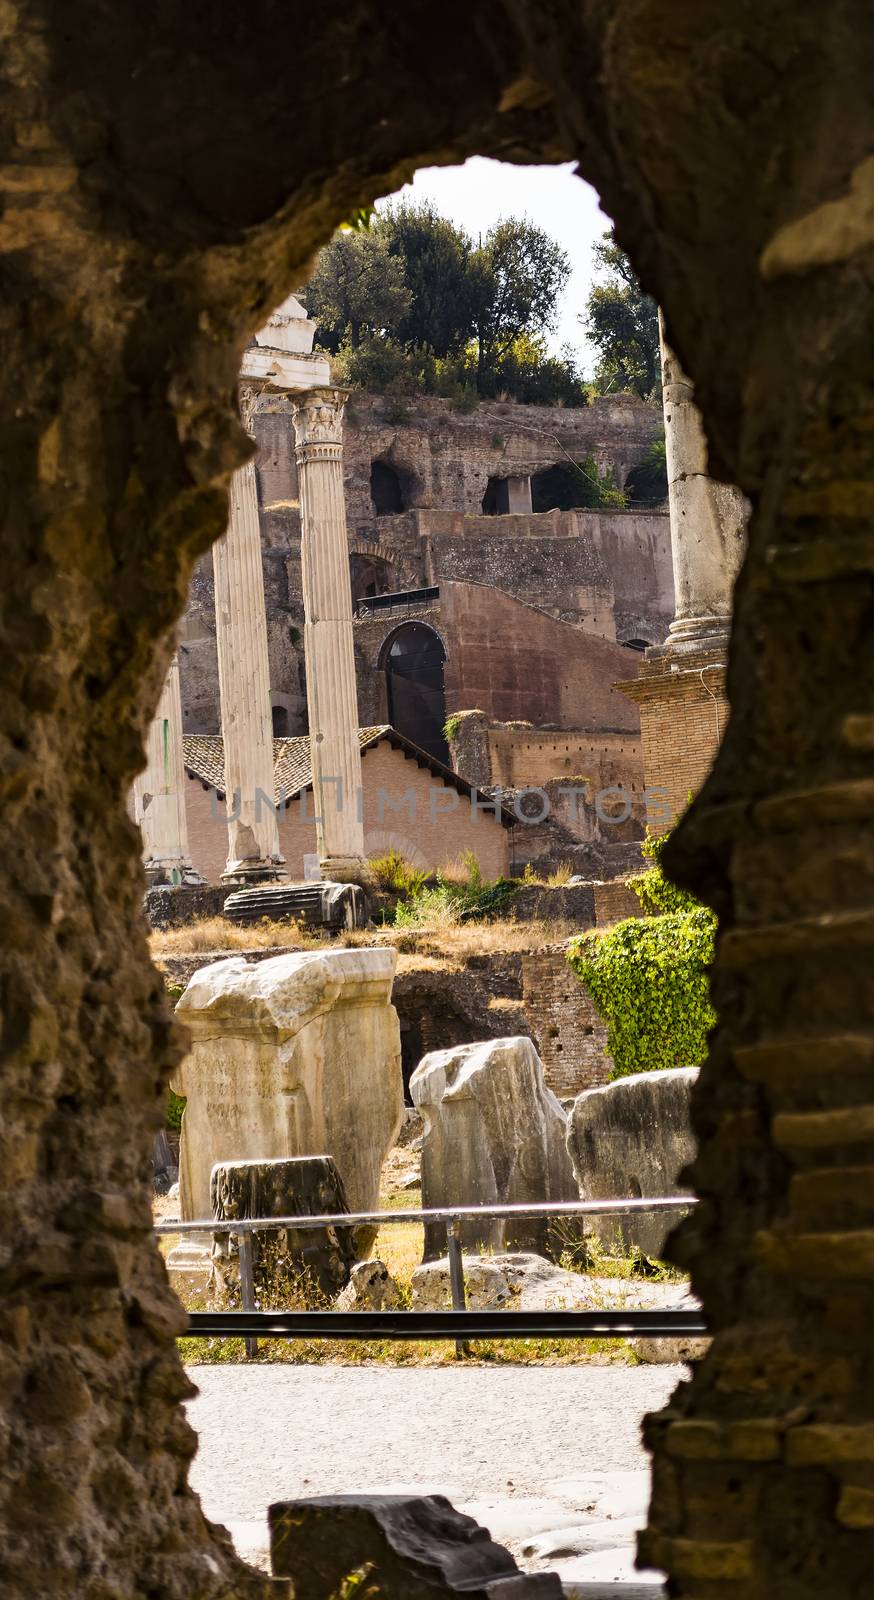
[164,190]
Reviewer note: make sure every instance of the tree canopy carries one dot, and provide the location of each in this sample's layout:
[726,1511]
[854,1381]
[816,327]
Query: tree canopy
[622,323]
[406,300]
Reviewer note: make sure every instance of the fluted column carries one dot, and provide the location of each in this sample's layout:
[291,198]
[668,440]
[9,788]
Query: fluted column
[708,519]
[332,697]
[244,688]
[159,792]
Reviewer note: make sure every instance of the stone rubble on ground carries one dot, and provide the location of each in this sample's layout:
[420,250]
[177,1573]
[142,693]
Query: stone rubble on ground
[524,1282]
[371,1287]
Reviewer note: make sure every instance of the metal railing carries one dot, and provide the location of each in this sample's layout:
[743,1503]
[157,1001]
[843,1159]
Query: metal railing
[403,601]
[460,1324]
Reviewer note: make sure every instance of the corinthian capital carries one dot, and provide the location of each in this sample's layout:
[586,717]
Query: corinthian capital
[318,416]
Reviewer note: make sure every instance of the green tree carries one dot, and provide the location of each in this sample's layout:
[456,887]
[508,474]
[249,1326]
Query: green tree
[436,264]
[519,273]
[622,323]
[357,289]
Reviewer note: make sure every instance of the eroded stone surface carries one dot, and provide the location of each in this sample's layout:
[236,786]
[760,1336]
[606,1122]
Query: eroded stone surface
[631,1139]
[494,1135]
[299,1055]
[311,1263]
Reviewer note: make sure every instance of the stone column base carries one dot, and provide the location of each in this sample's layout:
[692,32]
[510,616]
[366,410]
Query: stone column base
[258,872]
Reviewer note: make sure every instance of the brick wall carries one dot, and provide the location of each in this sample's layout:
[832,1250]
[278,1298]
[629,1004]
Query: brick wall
[435,824]
[614,903]
[682,719]
[565,1026]
[515,663]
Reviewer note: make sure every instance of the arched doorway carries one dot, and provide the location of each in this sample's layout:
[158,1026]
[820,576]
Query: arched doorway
[412,659]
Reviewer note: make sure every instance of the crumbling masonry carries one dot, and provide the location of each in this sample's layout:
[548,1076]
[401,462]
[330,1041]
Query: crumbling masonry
[166,180]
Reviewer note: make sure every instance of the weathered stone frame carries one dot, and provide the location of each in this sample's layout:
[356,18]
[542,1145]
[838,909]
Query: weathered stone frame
[167,179]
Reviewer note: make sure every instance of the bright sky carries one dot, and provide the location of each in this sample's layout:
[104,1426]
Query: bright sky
[482,192]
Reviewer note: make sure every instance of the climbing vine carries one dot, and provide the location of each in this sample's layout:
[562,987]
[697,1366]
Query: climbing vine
[648,976]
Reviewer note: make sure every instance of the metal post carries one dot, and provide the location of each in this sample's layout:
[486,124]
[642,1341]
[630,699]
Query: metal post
[247,1287]
[456,1277]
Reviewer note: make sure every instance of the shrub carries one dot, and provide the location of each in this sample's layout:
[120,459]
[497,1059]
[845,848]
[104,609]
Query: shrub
[394,874]
[649,977]
[176,1104]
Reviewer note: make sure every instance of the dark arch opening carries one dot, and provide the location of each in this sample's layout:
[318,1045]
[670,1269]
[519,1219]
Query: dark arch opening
[635,644]
[280,722]
[370,575]
[496,500]
[386,490]
[564,487]
[413,659]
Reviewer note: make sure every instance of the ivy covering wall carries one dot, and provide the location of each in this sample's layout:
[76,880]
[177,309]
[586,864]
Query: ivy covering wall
[648,976]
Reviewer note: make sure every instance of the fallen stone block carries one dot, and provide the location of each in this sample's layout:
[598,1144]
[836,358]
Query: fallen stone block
[494,1135]
[517,1281]
[631,1139]
[396,1547]
[371,1287]
[315,1262]
[295,1056]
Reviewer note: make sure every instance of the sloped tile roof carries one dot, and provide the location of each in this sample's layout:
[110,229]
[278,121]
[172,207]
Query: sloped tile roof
[204,758]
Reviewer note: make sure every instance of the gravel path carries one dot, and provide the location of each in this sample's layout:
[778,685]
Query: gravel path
[525,1449]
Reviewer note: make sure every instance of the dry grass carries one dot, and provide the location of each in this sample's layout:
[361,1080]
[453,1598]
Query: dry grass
[563,872]
[216,933]
[465,938]
[452,942]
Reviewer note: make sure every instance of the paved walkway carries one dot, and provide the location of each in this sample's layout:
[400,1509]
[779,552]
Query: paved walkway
[548,1458]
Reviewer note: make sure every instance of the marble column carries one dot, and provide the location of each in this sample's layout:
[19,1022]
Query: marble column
[244,688]
[708,519]
[159,792]
[332,696]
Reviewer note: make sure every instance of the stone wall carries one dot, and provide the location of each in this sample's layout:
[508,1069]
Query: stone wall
[607,572]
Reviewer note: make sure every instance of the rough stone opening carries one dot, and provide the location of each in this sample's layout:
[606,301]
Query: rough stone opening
[562,487]
[138,264]
[386,490]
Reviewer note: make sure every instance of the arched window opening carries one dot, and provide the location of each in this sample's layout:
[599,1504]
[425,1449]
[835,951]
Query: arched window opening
[413,661]
[370,575]
[386,490]
[635,644]
[280,722]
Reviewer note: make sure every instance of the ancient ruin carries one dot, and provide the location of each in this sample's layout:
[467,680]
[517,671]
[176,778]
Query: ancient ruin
[494,1135]
[633,1139]
[163,192]
[296,1056]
